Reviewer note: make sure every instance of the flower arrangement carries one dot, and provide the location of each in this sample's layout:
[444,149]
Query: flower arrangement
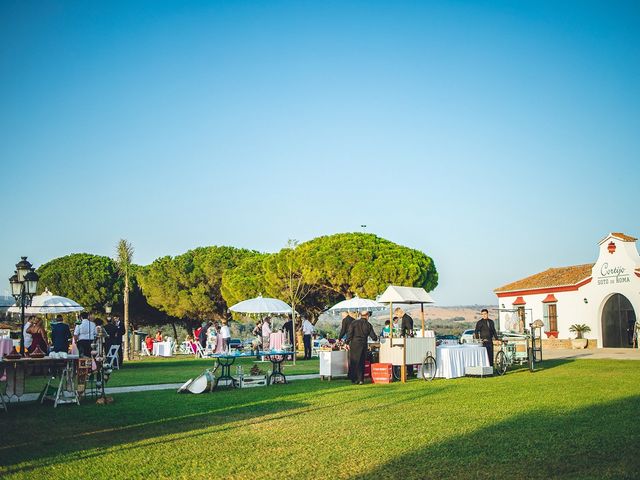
[255,370]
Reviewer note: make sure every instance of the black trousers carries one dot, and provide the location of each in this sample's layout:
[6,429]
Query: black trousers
[84,348]
[306,339]
[357,357]
[488,344]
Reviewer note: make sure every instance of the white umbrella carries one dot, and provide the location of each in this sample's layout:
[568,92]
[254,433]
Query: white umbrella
[356,304]
[260,305]
[48,303]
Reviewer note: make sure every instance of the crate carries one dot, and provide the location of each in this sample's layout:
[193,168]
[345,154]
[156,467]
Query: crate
[250,381]
[381,372]
[478,371]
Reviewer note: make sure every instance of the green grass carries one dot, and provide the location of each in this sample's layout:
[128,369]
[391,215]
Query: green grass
[570,420]
[155,370]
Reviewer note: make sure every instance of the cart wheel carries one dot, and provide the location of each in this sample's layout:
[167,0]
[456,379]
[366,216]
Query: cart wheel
[397,372]
[501,363]
[429,368]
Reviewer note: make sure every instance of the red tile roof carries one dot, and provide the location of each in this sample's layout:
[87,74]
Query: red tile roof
[623,237]
[553,277]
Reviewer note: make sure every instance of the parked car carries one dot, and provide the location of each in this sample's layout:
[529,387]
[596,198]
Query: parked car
[467,336]
[235,343]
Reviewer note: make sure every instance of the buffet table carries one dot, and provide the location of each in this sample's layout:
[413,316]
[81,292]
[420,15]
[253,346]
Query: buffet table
[162,349]
[451,360]
[17,370]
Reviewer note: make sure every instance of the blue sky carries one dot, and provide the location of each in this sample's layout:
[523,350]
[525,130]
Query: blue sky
[501,138]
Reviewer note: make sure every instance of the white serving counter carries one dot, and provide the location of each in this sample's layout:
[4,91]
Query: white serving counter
[333,363]
[391,349]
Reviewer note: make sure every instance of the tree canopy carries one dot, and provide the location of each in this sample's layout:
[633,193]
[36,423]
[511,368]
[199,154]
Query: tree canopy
[318,273]
[90,280]
[189,285]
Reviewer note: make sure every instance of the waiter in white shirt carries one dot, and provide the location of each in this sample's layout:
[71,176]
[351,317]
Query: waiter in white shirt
[85,334]
[225,333]
[307,332]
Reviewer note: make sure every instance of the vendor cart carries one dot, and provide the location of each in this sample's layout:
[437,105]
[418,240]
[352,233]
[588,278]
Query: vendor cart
[418,350]
[333,364]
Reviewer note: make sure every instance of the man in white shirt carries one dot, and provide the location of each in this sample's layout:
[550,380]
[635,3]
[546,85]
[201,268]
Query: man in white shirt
[266,333]
[307,332]
[28,339]
[85,334]
[225,333]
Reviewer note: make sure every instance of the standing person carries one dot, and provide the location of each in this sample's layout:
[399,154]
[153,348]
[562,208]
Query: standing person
[486,330]
[84,334]
[225,333]
[346,322]
[25,333]
[38,337]
[202,334]
[266,333]
[307,332]
[117,337]
[60,335]
[386,330]
[359,331]
[406,323]
[288,328]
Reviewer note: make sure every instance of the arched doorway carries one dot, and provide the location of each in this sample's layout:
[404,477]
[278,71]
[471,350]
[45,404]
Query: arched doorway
[618,320]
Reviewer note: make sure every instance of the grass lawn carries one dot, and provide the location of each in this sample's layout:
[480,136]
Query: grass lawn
[572,419]
[156,370]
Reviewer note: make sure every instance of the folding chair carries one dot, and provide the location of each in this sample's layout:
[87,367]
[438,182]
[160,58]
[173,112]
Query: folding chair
[144,350]
[199,351]
[113,361]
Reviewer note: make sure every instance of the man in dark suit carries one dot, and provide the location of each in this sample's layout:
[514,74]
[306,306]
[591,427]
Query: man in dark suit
[344,329]
[359,331]
[346,321]
[117,337]
[406,323]
[486,330]
[288,329]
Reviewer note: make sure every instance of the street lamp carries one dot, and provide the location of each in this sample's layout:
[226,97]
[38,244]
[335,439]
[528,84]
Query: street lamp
[24,283]
[107,308]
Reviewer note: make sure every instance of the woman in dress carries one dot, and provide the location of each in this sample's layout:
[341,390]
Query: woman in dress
[39,337]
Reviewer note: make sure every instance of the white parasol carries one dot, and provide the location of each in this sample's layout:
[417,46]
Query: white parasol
[262,305]
[48,303]
[356,304]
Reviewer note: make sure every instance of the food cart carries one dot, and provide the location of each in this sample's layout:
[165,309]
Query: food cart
[400,351]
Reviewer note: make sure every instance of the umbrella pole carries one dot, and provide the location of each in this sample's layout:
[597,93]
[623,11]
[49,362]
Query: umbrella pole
[422,317]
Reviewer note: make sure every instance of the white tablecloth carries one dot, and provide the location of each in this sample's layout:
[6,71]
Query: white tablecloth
[452,359]
[162,349]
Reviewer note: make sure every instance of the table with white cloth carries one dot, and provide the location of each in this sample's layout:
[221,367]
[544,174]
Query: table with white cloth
[162,349]
[452,360]
[276,339]
[6,345]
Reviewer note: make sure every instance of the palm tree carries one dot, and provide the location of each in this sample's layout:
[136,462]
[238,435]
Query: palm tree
[124,257]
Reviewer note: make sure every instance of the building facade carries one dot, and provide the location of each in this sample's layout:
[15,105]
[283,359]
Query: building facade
[604,295]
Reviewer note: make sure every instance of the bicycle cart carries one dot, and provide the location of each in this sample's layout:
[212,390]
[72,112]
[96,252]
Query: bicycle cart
[514,348]
[402,352]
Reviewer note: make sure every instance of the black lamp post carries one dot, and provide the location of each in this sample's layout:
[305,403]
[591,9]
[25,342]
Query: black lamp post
[24,284]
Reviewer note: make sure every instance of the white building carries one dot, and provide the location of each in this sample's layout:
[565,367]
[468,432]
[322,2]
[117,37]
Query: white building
[604,295]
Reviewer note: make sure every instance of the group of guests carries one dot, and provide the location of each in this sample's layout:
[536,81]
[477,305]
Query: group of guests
[149,340]
[356,334]
[84,334]
[214,333]
[263,330]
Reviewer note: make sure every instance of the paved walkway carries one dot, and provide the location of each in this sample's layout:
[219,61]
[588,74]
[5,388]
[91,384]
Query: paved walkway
[593,353]
[32,397]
